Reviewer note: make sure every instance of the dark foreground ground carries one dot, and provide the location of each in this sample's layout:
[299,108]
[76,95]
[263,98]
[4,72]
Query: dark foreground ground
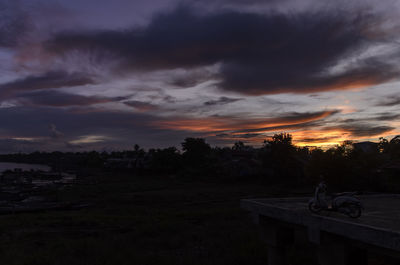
[139,220]
[144,220]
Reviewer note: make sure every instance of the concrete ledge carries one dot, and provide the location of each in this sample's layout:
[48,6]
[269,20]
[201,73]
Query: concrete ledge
[378,226]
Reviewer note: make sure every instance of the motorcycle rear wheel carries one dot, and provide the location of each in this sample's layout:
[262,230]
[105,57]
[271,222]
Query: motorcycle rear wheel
[353,210]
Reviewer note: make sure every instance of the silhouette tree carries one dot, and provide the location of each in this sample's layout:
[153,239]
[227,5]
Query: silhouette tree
[238,146]
[280,154]
[196,154]
[282,141]
[390,148]
[165,161]
[196,147]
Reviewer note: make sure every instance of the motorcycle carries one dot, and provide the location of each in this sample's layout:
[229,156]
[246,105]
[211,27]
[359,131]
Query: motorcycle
[345,202]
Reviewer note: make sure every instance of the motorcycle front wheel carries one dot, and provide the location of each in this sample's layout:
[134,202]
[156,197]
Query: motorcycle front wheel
[313,207]
[353,210]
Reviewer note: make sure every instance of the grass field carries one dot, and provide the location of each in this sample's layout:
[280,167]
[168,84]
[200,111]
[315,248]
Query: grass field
[141,220]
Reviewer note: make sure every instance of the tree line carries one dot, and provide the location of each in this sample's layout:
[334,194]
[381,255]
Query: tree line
[350,165]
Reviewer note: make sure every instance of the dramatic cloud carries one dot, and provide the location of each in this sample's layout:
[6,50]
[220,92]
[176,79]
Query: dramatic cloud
[241,136]
[385,116]
[77,128]
[390,101]
[258,54]
[243,126]
[185,79]
[221,101]
[318,139]
[362,129]
[48,80]
[156,72]
[288,121]
[140,105]
[88,139]
[61,99]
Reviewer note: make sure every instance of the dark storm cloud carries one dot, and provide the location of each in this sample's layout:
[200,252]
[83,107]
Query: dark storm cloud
[61,99]
[256,80]
[258,54]
[49,80]
[221,101]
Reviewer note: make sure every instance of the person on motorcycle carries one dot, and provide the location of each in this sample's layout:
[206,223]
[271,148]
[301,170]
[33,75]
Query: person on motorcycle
[320,194]
[344,202]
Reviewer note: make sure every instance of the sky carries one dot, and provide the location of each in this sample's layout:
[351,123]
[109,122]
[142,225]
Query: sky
[81,75]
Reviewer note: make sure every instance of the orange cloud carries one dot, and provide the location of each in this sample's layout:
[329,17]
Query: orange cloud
[306,129]
[238,126]
[320,138]
[334,136]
